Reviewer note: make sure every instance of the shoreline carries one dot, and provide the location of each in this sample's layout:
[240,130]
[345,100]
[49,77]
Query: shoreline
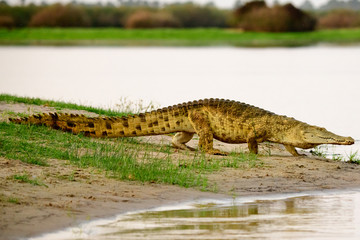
[85,227]
[69,204]
[62,195]
[42,210]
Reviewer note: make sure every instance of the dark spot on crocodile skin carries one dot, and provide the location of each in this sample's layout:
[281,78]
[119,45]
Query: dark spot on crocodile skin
[156,123]
[125,123]
[142,117]
[54,116]
[161,117]
[108,125]
[86,133]
[152,131]
[178,123]
[122,133]
[150,125]
[168,125]
[104,133]
[138,127]
[91,125]
[133,133]
[176,114]
[163,129]
[71,124]
[38,117]
[166,118]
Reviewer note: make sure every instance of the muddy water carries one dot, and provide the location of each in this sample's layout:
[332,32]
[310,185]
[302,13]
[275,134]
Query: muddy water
[319,215]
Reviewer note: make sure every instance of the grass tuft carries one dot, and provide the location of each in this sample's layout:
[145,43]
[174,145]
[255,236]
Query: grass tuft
[354,157]
[25,178]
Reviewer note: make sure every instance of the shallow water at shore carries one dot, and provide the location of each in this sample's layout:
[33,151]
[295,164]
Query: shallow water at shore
[315,215]
[339,152]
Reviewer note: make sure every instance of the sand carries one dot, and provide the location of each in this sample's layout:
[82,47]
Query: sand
[72,195]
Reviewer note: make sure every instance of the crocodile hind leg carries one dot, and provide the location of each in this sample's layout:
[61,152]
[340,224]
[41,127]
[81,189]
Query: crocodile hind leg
[206,137]
[181,138]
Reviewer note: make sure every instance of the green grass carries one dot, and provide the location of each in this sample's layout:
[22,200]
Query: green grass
[354,157]
[321,151]
[9,199]
[172,37]
[25,178]
[13,200]
[124,158]
[58,105]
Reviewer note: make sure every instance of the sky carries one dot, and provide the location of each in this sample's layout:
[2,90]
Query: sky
[218,3]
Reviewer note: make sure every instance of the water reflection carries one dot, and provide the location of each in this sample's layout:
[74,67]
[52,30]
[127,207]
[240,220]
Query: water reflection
[297,217]
[317,216]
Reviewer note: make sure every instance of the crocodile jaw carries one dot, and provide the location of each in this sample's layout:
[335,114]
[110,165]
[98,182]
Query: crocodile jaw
[317,135]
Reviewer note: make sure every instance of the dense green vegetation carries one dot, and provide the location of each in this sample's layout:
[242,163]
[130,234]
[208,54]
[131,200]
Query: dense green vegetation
[125,159]
[187,15]
[180,24]
[58,105]
[172,37]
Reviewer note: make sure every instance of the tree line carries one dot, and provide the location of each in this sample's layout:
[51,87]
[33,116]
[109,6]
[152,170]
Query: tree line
[250,16]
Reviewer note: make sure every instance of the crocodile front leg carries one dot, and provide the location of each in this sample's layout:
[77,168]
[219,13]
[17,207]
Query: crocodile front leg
[292,150]
[253,146]
[202,127]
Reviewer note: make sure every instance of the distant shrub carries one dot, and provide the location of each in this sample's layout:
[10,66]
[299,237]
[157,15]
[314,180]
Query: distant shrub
[249,7]
[21,15]
[192,15]
[58,15]
[339,19]
[7,22]
[108,16]
[147,19]
[256,16]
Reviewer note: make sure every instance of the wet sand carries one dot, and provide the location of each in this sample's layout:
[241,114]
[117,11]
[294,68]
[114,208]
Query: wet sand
[72,195]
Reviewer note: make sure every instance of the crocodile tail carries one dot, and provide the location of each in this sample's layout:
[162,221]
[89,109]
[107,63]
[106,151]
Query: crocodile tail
[154,123]
[60,121]
[49,120]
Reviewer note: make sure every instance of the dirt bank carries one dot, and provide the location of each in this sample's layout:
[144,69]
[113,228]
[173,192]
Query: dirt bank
[67,195]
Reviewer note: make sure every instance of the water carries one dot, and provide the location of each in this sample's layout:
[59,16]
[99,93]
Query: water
[338,152]
[317,215]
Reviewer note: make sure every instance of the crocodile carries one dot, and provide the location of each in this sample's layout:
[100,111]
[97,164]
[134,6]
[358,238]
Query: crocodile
[225,120]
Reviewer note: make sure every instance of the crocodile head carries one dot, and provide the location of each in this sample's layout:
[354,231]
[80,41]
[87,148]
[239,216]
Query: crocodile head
[307,136]
[311,136]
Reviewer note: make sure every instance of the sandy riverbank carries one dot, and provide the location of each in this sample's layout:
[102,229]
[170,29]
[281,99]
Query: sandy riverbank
[71,195]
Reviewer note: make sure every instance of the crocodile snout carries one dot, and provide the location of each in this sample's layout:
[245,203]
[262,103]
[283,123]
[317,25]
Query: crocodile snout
[349,141]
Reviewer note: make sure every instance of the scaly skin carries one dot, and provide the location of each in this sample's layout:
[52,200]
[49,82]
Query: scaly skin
[224,120]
